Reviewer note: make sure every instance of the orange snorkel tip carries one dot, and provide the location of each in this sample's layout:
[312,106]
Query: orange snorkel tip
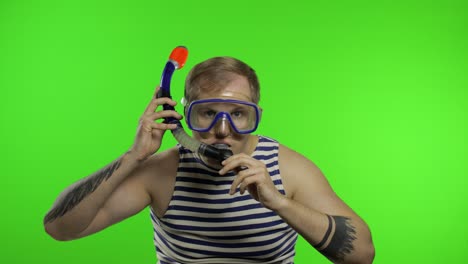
[179,56]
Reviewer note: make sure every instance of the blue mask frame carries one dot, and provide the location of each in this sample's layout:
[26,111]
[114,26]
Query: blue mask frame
[221,115]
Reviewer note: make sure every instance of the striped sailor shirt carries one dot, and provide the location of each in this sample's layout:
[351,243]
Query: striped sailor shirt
[205,224]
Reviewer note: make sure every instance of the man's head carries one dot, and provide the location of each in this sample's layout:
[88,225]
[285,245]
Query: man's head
[222,95]
[215,73]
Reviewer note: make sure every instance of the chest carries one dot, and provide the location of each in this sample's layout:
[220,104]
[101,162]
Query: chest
[202,220]
[203,213]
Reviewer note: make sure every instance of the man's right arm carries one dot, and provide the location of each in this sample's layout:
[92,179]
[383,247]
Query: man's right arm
[116,191]
[99,200]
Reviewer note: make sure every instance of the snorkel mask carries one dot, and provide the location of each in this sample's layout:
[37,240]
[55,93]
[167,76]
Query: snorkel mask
[202,115]
[177,61]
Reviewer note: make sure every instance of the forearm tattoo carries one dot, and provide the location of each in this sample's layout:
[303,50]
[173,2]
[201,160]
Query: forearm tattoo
[338,239]
[83,189]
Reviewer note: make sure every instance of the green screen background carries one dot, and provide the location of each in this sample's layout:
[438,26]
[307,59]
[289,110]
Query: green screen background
[374,92]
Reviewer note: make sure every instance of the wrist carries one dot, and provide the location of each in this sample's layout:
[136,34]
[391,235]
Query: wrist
[133,156]
[136,155]
[281,204]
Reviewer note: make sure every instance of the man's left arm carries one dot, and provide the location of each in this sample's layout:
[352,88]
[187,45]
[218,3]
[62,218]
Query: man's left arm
[310,206]
[319,215]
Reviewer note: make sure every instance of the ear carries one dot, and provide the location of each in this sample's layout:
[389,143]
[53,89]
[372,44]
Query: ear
[260,111]
[183,101]
[185,114]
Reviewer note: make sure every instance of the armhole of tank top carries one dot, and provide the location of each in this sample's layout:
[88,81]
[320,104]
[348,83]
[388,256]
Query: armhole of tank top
[179,155]
[262,140]
[276,151]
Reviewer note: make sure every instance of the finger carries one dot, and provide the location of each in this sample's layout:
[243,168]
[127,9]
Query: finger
[163,114]
[229,164]
[148,124]
[239,179]
[155,102]
[240,156]
[163,126]
[234,157]
[232,163]
[152,102]
[149,127]
[155,95]
[246,183]
[253,174]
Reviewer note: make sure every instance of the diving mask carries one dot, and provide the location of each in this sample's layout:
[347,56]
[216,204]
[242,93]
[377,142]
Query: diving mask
[203,114]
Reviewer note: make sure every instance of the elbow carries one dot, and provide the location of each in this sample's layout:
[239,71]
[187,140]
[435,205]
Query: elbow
[55,233]
[367,254]
[363,254]
[367,249]
[370,250]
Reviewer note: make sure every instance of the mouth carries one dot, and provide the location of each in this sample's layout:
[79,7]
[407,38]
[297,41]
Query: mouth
[224,151]
[221,146]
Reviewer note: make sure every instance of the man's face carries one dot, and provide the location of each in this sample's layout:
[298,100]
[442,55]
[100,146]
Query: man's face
[222,132]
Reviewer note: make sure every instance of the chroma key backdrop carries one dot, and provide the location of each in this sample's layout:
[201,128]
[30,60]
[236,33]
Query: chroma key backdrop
[373,92]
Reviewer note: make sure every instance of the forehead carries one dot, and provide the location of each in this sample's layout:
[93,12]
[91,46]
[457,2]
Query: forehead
[220,106]
[237,87]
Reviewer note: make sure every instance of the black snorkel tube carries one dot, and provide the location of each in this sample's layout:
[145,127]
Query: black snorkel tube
[176,61]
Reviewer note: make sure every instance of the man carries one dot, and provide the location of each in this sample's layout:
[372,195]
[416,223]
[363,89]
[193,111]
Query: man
[249,209]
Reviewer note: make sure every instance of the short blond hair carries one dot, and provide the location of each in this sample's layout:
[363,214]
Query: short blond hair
[217,72]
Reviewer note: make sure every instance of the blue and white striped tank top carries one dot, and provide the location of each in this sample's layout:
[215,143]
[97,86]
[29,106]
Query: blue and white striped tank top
[205,224]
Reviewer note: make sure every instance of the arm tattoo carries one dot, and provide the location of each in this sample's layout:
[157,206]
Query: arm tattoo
[341,241]
[83,189]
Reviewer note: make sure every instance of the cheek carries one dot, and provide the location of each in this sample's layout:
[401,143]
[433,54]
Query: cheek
[239,137]
[200,135]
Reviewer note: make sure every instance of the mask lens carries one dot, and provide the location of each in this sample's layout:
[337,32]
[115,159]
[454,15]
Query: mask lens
[204,114]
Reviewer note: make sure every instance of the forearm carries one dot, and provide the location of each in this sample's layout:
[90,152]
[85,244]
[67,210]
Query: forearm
[341,239]
[77,206]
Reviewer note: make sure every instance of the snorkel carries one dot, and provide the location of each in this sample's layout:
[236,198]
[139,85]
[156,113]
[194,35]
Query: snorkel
[177,61]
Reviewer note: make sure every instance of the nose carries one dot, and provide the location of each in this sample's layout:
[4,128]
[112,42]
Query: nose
[223,128]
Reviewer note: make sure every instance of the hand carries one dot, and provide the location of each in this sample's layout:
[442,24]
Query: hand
[150,133]
[255,178]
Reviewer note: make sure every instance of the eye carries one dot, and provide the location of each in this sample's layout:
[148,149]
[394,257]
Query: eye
[209,113]
[236,114]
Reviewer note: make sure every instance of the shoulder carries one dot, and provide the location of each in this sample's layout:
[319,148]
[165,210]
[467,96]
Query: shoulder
[160,165]
[158,175]
[292,160]
[165,159]
[162,162]
[286,155]
[299,172]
